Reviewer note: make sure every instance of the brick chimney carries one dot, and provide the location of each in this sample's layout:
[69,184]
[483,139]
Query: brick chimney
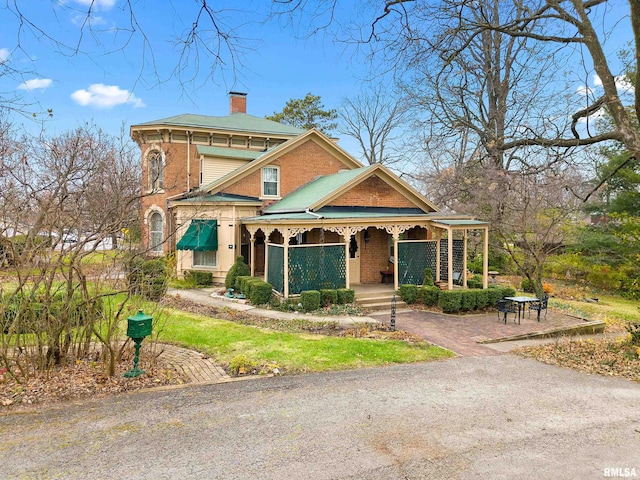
[238,102]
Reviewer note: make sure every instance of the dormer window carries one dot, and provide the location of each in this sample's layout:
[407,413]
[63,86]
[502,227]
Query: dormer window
[270,182]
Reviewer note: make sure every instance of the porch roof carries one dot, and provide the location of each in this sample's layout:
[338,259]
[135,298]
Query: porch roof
[218,197]
[337,213]
[460,223]
[226,152]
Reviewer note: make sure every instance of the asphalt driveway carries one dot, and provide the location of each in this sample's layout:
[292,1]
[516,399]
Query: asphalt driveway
[470,417]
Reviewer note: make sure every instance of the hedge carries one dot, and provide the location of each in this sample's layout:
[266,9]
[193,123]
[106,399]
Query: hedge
[429,295]
[346,295]
[310,300]
[409,293]
[328,297]
[260,293]
[482,298]
[239,268]
[198,278]
[450,300]
[468,300]
[241,283]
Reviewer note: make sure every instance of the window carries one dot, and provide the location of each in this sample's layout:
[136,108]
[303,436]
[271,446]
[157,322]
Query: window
[156,232]
[205,258]
[270,182]
[156,172]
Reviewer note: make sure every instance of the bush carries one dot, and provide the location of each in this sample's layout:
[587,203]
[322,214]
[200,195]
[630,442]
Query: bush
[199,279]
[241,365]
[482,299]
[428,278]
[475,282]
[154,279]
[328,297]
[310,300]
[450,300]
[346,295]
[249,283]
[526,285]
[239,268]
[260,293]
[468,300]
[409,293]
[429,295]
[241,283]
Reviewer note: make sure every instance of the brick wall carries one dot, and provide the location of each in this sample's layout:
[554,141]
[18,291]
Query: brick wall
[373,192]
[374,255]
[297,168]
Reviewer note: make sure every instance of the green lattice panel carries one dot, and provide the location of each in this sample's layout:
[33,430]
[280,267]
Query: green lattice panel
[316,267]
[413,258]
[458,254]
[275,272]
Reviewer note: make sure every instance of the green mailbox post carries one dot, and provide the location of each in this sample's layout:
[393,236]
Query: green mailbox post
[138,327]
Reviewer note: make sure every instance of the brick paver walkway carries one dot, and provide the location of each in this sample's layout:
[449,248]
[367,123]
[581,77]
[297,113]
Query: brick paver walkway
[197,367]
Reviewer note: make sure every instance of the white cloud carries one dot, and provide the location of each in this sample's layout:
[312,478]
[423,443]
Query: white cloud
[105,96]
[622,84]
[4,55]
[105,4]
[35,84]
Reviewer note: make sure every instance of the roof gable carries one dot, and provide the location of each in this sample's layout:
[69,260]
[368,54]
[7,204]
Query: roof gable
[270,155]
[319,193]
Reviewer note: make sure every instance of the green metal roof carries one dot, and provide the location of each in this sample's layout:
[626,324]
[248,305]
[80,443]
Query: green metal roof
[336,213]
[237,122]
[305,196]
[202,235]
[219,197]
[460,222]
[226,152]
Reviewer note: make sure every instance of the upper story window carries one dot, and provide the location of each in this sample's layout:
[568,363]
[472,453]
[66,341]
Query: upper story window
[270,182]
[156,170]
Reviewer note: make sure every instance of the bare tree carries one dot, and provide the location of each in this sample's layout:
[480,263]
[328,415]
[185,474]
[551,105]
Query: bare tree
[374,118]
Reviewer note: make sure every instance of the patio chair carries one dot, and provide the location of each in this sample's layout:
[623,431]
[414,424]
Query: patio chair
[539,306]
[505,307]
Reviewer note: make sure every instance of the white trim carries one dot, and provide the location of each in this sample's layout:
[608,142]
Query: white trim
[262,181]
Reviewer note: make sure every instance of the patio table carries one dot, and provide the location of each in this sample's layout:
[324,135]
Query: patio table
[522,302]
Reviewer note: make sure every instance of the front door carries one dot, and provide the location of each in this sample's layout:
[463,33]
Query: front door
[354,258]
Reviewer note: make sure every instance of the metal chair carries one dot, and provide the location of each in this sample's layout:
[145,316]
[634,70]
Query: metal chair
[505,307]
[539,306]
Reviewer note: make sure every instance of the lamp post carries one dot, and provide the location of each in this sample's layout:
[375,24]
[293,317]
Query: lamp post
[138,327]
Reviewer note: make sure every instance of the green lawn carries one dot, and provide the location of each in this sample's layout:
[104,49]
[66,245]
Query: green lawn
[615,311]
[295,352]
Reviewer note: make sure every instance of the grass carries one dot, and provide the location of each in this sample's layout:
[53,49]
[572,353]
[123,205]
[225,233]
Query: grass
[615,311]
[294,352]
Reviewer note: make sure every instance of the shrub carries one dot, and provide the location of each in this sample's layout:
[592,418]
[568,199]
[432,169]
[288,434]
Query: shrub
[429,295]
[493,295]
[346,295]
[527,285]
[154,279]
[468,299]
[241,365]
[197,278]
[241,283]
[547,288]
[428,278]
[310,300]
[237,269]
[328,297]
[409,293]
[508,292]
[482,299]
[260,293]
[450,300]
[249,283]
[475,282]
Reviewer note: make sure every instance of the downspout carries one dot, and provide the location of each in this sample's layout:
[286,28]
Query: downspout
[313,213]
[188,161]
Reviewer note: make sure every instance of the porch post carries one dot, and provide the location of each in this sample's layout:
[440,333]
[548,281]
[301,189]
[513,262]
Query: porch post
[252,240]
[286,263]
[438,251]
[464,258]
[396,236]
[347,238]
[450,258]
[485,259]
[266,254]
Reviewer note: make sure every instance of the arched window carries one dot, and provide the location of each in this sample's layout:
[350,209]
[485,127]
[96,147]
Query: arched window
[156,232]
[156,168]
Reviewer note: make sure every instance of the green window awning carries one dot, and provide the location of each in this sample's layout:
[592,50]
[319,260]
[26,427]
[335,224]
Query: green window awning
[200,236]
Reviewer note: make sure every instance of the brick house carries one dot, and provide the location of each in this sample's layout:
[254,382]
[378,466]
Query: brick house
[301,210]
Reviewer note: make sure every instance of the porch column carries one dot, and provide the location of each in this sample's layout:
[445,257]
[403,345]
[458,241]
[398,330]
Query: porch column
[266,254]
[485,259]
[252,240]
[449,259]
[464,258]
[438,251]
[286,262]
[396,237]
[347,238]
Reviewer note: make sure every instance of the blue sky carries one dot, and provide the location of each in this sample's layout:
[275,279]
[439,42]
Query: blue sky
[108,85]
[103,78]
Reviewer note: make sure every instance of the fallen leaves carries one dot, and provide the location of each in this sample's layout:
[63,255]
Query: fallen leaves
[617,358]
